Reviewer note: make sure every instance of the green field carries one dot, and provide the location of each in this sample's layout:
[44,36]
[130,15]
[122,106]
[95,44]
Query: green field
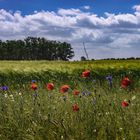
[26,114]
[37,66]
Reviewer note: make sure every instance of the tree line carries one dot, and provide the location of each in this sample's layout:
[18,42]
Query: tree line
[83,58]
[33,48]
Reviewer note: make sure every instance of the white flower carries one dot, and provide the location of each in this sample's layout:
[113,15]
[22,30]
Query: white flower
[133,98]
[107,113]
[120,128]
[11,96]
[5,95]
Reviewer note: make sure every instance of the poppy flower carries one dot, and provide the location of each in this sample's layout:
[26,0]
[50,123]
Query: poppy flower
[64,88]
[4,88]
[50,86]
[76,92]
[75,108]
[125,82]
[34,86]
[125,104]
[86,73]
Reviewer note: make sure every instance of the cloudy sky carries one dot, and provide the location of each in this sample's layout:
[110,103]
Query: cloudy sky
[109,28]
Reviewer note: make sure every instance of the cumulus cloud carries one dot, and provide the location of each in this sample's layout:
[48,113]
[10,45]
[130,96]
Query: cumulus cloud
[136,7]
[87,7]
[105,36]
[69,12]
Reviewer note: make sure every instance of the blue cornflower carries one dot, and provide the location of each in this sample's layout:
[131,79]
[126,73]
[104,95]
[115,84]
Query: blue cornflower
[4,88]
[109,78]
[89,93]
[83,93]
[33,81]
[35,94]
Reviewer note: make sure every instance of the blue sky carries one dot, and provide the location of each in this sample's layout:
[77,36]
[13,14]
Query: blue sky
[97,6]
[109,28]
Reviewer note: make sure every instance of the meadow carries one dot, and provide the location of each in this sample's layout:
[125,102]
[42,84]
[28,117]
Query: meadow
[95,106]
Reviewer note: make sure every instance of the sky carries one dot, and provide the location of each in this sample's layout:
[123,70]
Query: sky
[109,28]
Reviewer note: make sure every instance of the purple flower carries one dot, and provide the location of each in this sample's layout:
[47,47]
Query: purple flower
[35,94]
[89,93]
[33,81]
[83,93]
[4,88]
[109,78]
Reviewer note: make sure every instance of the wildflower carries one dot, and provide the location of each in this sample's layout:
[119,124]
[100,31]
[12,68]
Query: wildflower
[33,81]
[89,93]
[35,94]
[86,73]
[125,104]
[133,98]
[120,128]
[5,95]
[11,97]
[75,108]
[83,93]
[125,82]
[76,92]
[50,86]
[4,88]
[107,113]
[20,93]
[64,88]
[34,86]
[109,78]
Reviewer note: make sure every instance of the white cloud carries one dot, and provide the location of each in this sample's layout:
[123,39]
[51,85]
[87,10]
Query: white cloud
[69,12]
[104,35]
[136,7]
[87,7]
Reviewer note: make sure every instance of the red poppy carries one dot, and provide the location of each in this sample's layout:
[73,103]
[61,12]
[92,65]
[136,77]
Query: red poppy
[76,92]
[34,86]
[50,86]
[125,104]
[125,82]
[75,108]
[64,88]
[86,73]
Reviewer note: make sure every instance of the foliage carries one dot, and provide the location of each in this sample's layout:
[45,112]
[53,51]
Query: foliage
[33,48]
[98,112]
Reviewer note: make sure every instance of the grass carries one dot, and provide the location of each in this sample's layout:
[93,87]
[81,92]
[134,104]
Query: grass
[48,116]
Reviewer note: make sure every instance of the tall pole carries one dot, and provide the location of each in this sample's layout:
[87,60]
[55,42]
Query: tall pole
[85,51]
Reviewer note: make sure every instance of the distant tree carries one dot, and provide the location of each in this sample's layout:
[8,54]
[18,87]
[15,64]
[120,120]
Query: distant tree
[33,48]
[83,58]
[131,58]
